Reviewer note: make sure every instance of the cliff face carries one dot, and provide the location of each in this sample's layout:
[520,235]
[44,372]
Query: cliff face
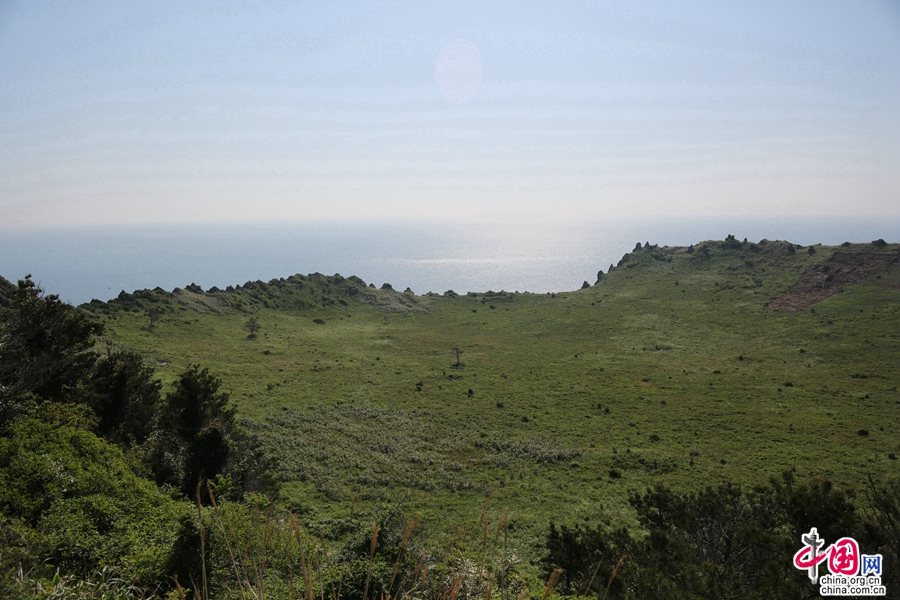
[844,268]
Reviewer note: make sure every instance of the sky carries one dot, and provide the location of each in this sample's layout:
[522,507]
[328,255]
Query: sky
[238,111]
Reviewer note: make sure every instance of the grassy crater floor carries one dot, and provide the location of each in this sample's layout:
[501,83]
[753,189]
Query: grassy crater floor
[671,369]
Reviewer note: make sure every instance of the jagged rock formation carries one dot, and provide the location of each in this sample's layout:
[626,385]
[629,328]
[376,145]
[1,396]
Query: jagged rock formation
[297,292]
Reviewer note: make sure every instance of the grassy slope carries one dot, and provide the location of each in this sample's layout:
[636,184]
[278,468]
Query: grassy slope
[701,384]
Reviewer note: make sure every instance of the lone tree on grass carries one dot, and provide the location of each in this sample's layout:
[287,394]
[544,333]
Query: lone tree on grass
[252,325]
[154,315]
[456,352]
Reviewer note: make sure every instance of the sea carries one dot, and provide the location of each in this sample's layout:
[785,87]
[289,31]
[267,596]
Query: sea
[82,263]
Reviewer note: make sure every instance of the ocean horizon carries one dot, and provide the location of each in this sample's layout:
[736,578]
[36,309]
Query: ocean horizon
[82,263]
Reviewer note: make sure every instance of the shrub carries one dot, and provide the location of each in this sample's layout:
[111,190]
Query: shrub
[124,395]
[578,551]
[193,441]
[91,511]
[252,326]
[46,346]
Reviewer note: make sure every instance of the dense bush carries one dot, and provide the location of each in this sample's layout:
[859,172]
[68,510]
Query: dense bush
[193,441]
[124,395]
[45,348]
[68,500]
[724,541]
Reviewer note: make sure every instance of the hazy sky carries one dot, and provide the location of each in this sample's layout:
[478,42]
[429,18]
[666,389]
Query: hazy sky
[114,112]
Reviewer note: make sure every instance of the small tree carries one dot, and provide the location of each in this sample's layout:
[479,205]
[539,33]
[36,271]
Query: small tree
[252,325]
[193,440]
[124,395]
[154,315]
[45,346]
[456,351]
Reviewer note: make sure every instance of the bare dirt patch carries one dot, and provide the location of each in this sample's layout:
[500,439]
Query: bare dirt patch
[392,301]
[202,303]
[827,279]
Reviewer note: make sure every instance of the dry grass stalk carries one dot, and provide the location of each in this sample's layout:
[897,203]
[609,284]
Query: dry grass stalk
[456,583]
[594,576]
[407,534]
[205,592]
[484,535]
[502,523]
[268,544]
[340,586]
[554,577]
[321,580]
[613,576]
[221,521]
[319,566]
[446,593]
[504,518]
[307,574]
[415,576]
[371,560]
[424,576]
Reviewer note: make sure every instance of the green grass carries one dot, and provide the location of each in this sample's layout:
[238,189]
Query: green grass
[687,385]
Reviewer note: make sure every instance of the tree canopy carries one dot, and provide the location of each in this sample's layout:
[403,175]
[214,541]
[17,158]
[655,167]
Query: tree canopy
[45,347]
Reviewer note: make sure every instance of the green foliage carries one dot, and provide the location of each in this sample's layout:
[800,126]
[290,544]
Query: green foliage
[44,348]
[712,543]
[6,289]
[588,555]
[154,315]
[689,377]
[701,366]
[124,395]
[68,500]
[252,326]
[881,523]
[722,541]
[192,443]
[817,503]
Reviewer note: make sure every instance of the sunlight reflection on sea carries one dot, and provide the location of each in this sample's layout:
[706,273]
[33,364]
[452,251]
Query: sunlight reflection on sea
[84,263]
